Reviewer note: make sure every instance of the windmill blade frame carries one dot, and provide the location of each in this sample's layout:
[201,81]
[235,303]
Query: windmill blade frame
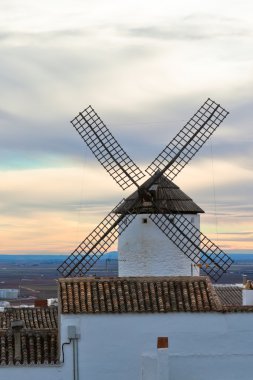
[189,140]
[106,148]
[194,244]
[125,172]
[93,247]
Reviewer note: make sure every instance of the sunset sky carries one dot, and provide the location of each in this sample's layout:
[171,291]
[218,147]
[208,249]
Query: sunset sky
[146,67]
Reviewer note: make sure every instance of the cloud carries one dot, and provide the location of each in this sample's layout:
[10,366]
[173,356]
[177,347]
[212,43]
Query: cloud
[27,191]
[238,233]
[194,27]
[145,76]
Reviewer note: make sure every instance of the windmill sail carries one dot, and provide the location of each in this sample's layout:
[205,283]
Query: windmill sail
[189,140]
[125,172]
[195,245]
[106,148]
[83,258]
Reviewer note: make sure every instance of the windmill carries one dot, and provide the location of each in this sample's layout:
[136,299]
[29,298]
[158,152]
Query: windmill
[166,166]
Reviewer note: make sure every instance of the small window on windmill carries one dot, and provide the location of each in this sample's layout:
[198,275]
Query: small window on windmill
[144,220]
[192,219]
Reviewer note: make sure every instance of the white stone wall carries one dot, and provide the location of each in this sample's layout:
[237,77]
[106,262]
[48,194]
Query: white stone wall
[144,250]
[203,346]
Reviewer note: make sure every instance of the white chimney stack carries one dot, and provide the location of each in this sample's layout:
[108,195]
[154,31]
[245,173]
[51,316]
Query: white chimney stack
[247,294]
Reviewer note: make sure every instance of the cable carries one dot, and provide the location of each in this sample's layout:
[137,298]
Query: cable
[62,350]
[214,193]
[80,205]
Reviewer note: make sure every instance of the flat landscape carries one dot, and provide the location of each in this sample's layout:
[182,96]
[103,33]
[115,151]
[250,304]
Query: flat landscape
[36,276]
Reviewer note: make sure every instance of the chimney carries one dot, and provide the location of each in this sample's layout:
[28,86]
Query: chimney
[40,303]
[162,342]
[16,327]
[244,279]
[247,294]
[156,365]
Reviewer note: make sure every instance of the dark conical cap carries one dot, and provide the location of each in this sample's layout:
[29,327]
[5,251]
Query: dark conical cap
[169,199]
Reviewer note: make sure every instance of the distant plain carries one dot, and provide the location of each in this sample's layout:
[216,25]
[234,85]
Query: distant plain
[36,275]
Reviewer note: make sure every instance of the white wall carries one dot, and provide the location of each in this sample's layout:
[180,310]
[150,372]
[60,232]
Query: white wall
[203,346]
[144,250]
[247,297]
[34,373]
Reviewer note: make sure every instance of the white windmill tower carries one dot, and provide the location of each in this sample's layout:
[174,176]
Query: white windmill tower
[144,250]
[179,220]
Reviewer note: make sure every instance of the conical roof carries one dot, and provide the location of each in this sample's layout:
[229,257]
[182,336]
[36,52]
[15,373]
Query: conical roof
[169,199]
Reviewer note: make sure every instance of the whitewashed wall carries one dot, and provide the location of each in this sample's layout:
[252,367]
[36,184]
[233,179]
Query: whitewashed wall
[35,373]
[203,346]
[144,250]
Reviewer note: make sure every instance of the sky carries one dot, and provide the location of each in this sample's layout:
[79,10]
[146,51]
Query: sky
[146,67]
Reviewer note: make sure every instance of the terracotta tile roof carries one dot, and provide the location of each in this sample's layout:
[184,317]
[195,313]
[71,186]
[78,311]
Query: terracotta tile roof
[30,347]
[230,295]
[34,318]
[137,295]
[37,340]
[238,309]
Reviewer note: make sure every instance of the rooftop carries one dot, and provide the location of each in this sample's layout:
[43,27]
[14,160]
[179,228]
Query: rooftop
[169,199]
[35,342]
[34,318]
[230,295]
[137,295]
[36,347]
